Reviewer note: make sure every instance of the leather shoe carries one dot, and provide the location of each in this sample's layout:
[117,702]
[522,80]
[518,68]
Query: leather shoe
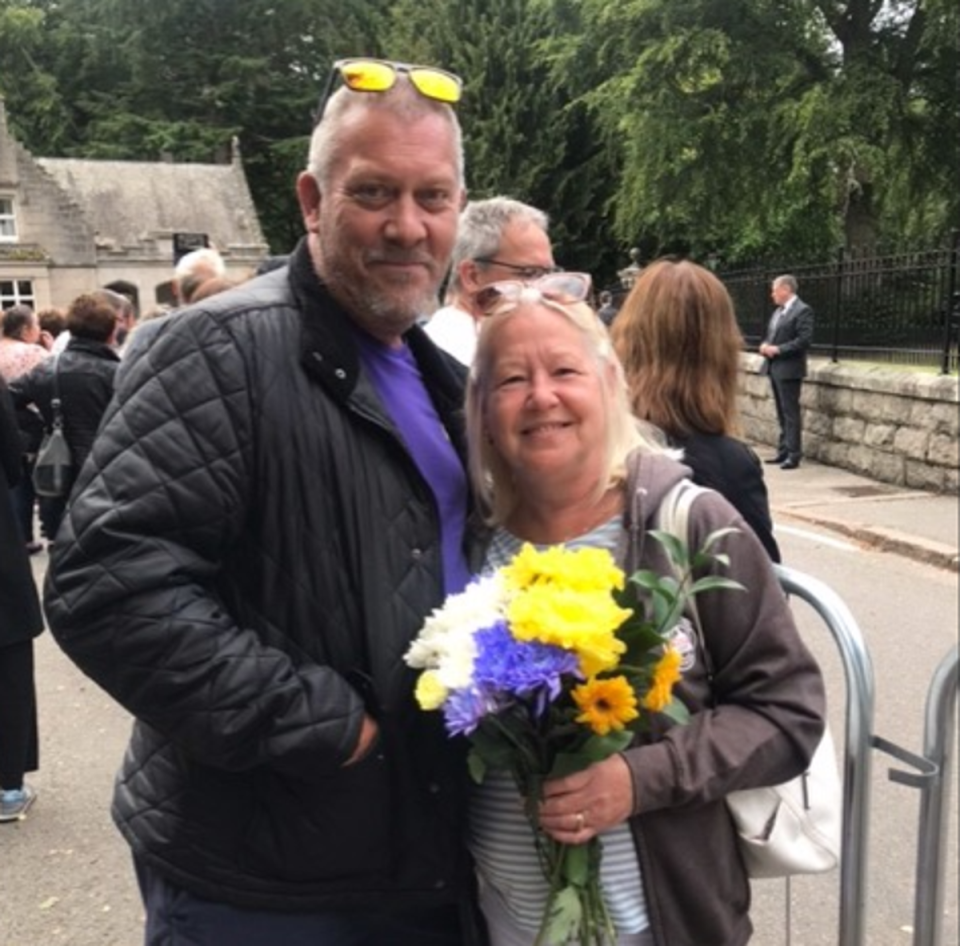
[789,464]
[778,459]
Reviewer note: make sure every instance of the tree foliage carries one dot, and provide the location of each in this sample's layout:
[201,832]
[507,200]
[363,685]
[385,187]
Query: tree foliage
[730,127]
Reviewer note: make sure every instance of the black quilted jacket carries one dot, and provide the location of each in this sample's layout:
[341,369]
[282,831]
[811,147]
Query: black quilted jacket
[248,555]
[85,375]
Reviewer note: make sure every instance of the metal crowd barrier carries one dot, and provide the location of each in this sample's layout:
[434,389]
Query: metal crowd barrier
[858,744]
[933,781]
[932,777]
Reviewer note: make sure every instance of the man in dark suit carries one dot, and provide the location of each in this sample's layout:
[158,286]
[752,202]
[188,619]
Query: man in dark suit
[785,350]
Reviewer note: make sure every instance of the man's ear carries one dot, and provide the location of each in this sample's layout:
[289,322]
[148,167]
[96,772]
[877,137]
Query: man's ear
[467,270]
[308,193]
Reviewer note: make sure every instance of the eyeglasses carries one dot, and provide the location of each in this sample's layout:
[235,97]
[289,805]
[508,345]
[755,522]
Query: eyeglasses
[379,75]
[559,288]
[527,272]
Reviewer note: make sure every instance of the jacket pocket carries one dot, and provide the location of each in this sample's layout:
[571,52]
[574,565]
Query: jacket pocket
[334,830]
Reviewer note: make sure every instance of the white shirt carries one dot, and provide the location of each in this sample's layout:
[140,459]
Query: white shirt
[455,331]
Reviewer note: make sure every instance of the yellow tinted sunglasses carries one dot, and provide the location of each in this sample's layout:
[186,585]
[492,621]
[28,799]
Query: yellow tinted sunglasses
[379,75]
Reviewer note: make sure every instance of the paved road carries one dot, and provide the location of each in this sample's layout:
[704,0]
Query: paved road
[65,876]
[907,612]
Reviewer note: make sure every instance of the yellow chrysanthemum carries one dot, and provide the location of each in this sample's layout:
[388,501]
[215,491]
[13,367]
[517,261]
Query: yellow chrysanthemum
[582,622]
[586,569]
[665,675]
[606,704]
[430,692]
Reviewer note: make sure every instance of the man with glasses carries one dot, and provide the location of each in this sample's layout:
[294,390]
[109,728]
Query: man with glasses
[276,501]
[498,239]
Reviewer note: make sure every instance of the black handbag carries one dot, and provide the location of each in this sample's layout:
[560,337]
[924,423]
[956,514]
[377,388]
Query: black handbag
[53,469]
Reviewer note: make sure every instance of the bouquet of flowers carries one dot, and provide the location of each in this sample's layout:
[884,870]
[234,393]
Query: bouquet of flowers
[546,668]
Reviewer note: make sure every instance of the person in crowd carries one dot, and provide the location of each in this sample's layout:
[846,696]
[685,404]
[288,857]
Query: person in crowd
[497,238]
[211,287]
[195,284]
[276,500]
[52,321]
[607,310]
[21,351]
[20,622]
[20,348]
[156,312]
[784,348]
[83,376]
[194,269]
[678,340]
[556,457]
[126,314]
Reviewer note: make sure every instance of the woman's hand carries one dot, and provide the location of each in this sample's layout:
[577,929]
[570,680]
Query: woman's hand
[579,806]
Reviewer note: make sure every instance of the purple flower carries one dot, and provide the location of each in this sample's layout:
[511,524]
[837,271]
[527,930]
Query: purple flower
[506,666]
[464,709]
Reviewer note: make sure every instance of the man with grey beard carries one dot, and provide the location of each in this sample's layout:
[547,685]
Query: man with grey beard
[276,501]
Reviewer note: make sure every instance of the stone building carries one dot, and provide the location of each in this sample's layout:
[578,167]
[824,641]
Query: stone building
[69,226]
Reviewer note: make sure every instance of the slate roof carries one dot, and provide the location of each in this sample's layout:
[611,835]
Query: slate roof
[128,202]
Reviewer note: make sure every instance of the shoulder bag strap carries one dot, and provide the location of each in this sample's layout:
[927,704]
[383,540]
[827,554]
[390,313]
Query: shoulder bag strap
[55,403]
[673,517]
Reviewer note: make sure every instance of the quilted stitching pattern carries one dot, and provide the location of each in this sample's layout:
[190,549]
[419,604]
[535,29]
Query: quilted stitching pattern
[330,562]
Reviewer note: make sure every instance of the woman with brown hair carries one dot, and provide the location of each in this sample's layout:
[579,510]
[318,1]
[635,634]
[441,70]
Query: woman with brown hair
[680,345]
[81,377]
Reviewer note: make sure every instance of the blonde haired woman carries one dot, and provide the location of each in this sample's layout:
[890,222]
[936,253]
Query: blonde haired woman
[557,458]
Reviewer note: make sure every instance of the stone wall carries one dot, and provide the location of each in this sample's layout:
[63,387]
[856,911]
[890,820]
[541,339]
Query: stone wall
[897,427]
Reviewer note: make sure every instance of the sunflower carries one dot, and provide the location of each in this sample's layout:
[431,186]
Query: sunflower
[606,704]
[665,675]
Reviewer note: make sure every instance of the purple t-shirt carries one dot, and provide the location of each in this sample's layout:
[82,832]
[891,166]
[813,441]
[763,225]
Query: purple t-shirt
[397,379]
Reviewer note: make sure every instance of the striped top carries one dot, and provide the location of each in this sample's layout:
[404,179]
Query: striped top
[501,837]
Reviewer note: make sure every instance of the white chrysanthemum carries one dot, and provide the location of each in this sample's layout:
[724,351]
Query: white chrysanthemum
[445,643]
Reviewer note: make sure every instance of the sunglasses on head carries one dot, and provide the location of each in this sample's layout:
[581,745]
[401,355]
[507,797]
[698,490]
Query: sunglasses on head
[379,75]
[525,272]
[559,288]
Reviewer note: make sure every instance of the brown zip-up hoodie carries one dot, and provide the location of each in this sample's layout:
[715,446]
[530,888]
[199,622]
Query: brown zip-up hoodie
[757,722]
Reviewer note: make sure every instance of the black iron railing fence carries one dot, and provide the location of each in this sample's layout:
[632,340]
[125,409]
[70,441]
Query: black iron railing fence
[900,307]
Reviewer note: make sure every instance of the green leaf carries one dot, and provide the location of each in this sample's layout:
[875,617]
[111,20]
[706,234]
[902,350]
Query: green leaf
[651,581]
[640,640]
[495,751]
[595,749]
[677,711]
[476,766]
[715,583]
[711,540]
[576,864]
[676,548]
[564,917]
